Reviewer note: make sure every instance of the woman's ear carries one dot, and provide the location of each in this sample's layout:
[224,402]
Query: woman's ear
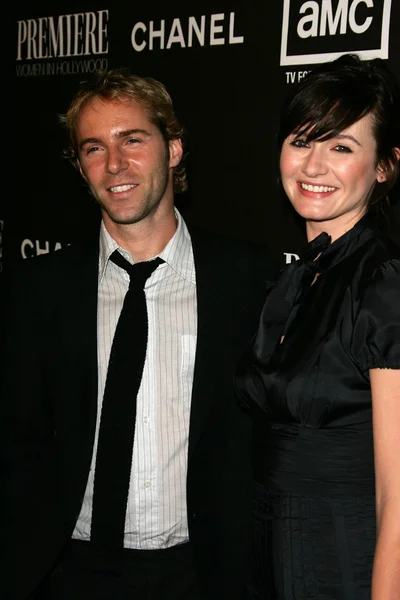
[385,171]
[381,175]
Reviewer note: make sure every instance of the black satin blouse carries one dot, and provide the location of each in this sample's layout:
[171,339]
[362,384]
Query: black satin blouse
[313,501]
[335,330]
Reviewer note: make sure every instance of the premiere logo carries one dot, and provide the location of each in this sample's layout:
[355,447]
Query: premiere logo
[317,31]
[62,45]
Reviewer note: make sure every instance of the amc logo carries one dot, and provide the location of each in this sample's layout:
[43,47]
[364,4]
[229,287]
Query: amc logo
[320,30]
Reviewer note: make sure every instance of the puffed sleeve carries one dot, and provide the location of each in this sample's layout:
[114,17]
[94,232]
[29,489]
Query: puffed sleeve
[376,335]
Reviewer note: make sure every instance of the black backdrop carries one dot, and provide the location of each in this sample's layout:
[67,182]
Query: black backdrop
[227,64]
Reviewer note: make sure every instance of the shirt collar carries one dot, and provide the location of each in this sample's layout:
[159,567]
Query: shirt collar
[178,253]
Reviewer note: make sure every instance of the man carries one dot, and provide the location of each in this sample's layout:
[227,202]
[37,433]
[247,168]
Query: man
[184,535]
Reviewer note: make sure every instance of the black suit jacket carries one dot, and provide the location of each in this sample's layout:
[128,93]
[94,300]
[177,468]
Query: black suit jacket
[49,403]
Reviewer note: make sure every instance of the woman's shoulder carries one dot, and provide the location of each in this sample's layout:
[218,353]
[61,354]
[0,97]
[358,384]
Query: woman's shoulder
[380,258]
[376,305]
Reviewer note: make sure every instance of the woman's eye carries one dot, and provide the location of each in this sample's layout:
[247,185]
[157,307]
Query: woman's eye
[299,143]
[341,148]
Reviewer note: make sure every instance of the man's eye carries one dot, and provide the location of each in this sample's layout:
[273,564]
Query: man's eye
[92,149]
[133,141]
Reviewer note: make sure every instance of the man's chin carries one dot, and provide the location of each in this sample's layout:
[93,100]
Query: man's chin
[123,217]
[128,216]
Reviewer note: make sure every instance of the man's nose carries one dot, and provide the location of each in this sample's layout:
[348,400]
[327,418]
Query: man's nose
[116,161]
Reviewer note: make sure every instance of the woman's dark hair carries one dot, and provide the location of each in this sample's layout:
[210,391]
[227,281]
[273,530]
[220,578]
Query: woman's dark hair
[335,95]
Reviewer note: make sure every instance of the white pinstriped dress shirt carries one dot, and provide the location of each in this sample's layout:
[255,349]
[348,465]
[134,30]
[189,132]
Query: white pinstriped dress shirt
[156,514]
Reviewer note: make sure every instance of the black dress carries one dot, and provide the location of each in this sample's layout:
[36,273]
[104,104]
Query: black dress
[313,511]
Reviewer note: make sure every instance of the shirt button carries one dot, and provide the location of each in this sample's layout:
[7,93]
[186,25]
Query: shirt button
[145,420]
[147,484]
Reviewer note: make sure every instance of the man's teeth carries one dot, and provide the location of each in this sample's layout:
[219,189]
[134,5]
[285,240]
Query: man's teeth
[122,188]
[317,188]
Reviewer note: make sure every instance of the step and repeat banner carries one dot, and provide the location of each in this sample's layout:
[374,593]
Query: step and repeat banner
[228,65]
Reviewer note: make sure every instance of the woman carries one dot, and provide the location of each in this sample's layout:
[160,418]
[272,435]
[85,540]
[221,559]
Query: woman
[321,377]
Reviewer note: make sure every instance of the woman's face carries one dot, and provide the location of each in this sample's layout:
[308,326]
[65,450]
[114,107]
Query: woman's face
[329,182]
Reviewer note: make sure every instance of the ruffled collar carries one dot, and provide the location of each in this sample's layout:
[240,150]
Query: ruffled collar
[326,255]
[286,294]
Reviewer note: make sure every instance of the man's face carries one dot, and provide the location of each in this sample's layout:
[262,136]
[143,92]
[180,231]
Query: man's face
[125,160]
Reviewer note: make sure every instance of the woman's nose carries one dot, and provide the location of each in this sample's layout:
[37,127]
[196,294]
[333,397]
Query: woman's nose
[315,162]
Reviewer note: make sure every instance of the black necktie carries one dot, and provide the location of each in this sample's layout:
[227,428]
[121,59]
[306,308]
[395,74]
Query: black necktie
[118,414]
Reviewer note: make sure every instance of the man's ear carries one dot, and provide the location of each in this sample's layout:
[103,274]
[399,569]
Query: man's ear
[384,172]
[175,152]
[78,166]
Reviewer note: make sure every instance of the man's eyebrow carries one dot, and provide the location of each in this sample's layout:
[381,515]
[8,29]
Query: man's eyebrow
[89,140]
[128,132]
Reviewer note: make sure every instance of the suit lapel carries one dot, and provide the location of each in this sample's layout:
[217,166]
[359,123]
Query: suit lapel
[78,337]
[209,311]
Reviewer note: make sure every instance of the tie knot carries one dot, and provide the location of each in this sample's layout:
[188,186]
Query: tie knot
[138,272]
